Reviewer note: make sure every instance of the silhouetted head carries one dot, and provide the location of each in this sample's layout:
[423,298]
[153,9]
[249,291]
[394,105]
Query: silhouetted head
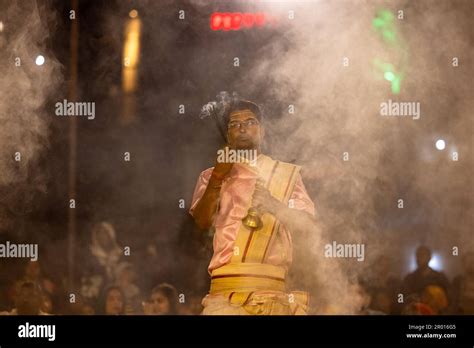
[423,256]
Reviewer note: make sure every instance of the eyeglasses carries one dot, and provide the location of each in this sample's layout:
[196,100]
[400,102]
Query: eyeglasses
[238,125]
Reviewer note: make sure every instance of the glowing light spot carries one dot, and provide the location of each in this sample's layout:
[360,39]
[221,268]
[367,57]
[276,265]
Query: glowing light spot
[39,60]
[1,26]
[236,21]
[396,85]
[227,21]
[133,14]
[389,76]
[259,19]
[436,262]
[378,22]
[216,21]
[386,15]
[440,144]
[248,20]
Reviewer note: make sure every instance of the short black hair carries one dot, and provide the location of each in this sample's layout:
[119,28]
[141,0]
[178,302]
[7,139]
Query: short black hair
[423,248]
[245,105]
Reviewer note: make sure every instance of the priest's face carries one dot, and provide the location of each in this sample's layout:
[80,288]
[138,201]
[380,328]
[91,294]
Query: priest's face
[244,130]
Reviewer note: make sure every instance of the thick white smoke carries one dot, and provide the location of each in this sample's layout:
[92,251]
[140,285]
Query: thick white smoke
[25,89]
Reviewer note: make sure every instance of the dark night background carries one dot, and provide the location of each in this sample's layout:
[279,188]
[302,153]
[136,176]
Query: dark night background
[184,62]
